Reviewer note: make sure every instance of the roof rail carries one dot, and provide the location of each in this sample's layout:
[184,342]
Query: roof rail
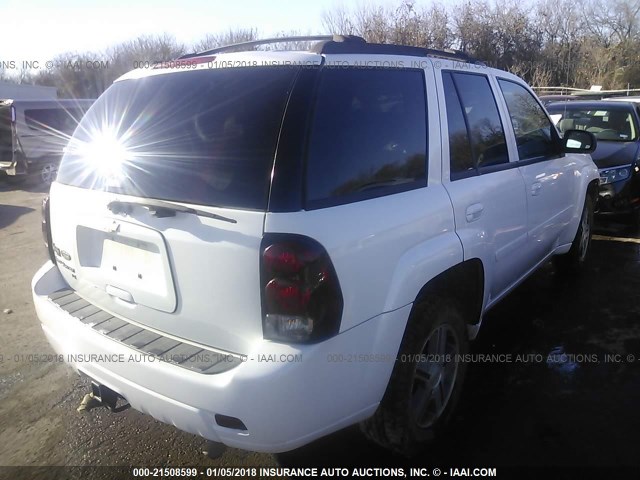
[390,49]
[266,41]
[453,54]
[345,44]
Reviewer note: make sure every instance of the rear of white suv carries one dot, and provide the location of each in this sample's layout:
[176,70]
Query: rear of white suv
[237,247]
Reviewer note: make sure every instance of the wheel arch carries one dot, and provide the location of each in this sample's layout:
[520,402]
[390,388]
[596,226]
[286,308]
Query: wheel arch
[589,181]
[468,278]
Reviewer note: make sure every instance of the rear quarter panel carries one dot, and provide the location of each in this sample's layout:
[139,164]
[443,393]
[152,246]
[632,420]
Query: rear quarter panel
[384,250]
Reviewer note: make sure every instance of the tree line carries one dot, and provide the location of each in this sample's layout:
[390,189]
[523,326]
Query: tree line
[571,43]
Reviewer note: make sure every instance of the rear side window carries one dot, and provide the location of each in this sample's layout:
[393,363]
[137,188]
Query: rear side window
[480,113]
[534,133]
[368,135]
[459,144]
[205,136]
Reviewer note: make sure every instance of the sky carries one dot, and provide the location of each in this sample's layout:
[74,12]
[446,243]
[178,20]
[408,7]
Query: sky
[41,29]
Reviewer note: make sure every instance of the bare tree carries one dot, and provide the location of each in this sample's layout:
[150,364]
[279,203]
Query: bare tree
[572,43]
[561,42]
[5,77]
[226,38]
[338,21]
[437,26]
[143,51]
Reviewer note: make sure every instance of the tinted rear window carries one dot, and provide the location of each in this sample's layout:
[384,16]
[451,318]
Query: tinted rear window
[368,135]
[206,137]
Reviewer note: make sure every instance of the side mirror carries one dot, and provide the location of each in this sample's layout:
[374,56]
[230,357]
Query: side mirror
[579,141]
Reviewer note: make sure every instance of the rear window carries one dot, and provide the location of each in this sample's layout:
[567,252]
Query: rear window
[368,135]
[53,120]
[614,124]
[205,137]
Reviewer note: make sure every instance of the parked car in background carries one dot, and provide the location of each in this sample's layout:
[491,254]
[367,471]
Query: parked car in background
[616,125]
[547,99]
[33,134]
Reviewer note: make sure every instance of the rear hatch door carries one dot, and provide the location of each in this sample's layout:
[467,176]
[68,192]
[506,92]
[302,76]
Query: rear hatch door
[202,142]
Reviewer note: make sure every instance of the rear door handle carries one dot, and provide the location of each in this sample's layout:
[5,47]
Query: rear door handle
[535,188]
[474,212]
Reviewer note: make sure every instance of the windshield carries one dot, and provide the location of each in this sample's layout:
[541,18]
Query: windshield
[608,124]
[205,137]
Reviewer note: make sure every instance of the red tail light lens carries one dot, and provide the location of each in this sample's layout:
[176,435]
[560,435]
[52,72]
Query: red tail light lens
[282,258]
[287,296]
[301,296]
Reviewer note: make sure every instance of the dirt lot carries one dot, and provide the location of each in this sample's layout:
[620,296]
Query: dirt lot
[520,413]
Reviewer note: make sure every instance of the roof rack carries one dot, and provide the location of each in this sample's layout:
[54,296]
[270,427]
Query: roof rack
[254,43]
[388,49]
[344,44]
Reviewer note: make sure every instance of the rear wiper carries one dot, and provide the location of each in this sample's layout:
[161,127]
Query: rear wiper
[162,208]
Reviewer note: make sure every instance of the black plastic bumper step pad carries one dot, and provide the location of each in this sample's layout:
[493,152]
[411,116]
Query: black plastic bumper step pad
[182,354]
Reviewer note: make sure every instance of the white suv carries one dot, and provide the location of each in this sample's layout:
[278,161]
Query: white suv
[264,247]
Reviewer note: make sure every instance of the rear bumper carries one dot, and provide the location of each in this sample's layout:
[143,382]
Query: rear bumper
[286,395]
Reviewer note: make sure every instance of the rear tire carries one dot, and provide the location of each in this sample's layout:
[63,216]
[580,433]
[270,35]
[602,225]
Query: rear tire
[576,258]
[426,381]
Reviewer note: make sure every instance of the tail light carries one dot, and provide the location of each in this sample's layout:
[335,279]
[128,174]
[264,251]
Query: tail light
[46,228]
[301,296]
